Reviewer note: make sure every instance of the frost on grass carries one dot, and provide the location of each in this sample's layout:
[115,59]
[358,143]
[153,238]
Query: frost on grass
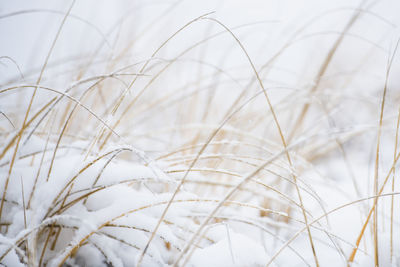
[156,133]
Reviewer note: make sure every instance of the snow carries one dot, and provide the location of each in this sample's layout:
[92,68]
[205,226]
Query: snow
[246,252]
[103,191]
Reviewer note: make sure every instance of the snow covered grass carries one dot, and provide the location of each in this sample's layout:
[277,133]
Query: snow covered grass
[199,133]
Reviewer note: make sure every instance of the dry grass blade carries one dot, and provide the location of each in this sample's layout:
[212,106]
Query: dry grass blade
[280,134]
[377,191]
[393,182]
[29,108]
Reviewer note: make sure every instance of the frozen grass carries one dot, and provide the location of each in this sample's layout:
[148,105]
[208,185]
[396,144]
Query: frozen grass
[200,134]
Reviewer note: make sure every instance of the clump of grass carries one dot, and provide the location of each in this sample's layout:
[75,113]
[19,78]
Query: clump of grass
[198,139]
